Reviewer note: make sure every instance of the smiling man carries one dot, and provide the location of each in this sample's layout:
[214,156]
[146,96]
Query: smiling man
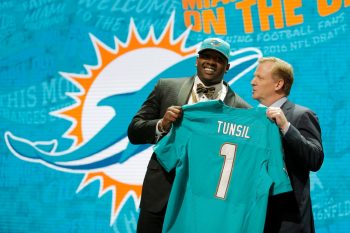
[162,108]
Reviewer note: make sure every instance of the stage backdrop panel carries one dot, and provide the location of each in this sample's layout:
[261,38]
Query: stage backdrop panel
[73,73]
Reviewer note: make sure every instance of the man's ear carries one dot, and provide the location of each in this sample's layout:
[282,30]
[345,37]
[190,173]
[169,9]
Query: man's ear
[227,67]
[280,84]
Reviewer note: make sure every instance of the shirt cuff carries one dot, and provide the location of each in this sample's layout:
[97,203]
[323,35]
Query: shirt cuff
[285,130]
[159,129]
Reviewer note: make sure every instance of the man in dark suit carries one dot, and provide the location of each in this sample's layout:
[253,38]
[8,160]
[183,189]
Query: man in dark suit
[162,108]
[301,137]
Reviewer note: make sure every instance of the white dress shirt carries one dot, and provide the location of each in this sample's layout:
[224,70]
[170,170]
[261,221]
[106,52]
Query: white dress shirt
[220,93]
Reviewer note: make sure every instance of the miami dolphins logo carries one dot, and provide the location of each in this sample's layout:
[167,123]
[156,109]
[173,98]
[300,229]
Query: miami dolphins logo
[110,94]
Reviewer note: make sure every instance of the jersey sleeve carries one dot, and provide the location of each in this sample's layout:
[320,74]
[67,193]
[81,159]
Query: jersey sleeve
[276,165]
[171,147]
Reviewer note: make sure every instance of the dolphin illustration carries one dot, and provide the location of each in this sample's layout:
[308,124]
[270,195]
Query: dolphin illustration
[104,148]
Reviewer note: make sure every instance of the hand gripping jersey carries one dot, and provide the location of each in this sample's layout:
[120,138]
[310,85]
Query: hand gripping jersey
[228,161]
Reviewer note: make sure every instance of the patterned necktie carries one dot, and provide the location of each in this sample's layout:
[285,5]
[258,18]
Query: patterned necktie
[207,91]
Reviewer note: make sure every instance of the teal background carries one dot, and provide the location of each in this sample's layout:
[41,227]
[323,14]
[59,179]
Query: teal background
[39,39]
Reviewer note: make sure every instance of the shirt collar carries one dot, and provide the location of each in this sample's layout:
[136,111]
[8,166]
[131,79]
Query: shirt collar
[217,86]
[279,102]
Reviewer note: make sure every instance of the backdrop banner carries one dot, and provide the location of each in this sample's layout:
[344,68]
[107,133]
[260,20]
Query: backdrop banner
[74,73]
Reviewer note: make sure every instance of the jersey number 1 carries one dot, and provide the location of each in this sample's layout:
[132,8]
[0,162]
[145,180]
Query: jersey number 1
[228,151]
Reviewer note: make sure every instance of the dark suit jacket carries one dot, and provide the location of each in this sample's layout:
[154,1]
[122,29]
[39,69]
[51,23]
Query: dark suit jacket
[142,129]
[292,212]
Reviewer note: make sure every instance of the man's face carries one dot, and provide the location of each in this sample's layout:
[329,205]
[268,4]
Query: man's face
[211,67]
[263,85]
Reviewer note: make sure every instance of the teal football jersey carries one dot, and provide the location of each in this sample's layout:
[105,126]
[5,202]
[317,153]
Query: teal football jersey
[228,161]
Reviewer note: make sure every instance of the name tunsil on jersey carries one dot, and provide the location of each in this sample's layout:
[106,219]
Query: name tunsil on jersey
[233,129]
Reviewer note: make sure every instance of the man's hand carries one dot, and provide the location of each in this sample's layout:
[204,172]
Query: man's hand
[171,115]
[277,115]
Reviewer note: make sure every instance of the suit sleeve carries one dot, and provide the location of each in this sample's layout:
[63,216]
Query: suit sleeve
[276,167]
[303,140]
[142,129]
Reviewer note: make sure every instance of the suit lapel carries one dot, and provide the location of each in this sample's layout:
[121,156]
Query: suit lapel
[286,108]
[230,96]
[185,91]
